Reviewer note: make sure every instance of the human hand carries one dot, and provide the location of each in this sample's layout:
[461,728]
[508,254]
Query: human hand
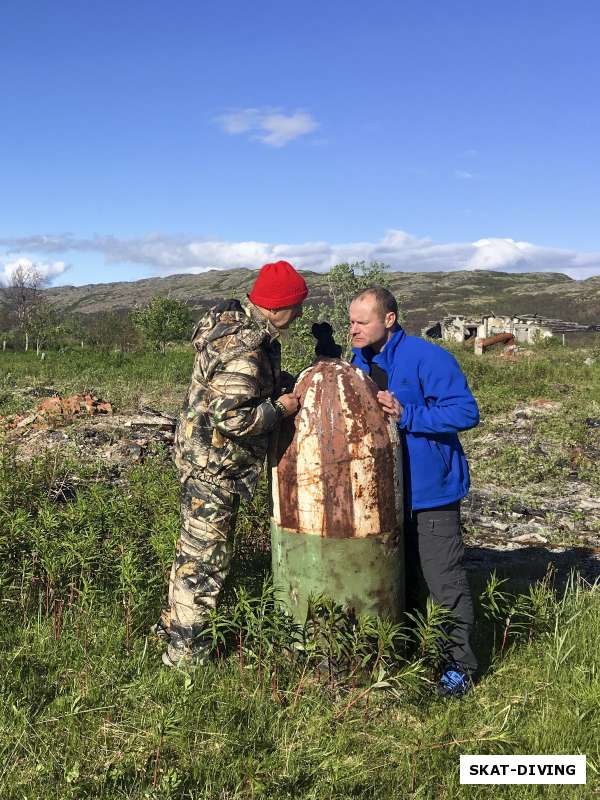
[390,405]
[290,403]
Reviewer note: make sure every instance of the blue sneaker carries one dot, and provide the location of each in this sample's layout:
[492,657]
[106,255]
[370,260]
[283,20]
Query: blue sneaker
[454,683]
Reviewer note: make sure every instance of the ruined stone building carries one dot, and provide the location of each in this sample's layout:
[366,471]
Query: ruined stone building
[525,328]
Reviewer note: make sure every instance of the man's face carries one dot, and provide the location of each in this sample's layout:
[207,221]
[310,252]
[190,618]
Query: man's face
[367,328]
[282,318]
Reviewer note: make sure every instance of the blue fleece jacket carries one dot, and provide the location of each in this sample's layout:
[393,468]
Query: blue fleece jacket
[438,403]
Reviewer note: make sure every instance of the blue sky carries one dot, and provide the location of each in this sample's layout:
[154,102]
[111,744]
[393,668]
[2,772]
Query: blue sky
[144,138]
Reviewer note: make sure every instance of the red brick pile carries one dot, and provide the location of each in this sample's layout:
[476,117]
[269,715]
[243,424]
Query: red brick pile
[54,411]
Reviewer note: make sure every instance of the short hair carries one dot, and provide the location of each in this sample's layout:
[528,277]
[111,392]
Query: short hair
[384,299]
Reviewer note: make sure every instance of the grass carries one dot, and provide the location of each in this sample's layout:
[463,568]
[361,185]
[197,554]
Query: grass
[551,372]
[87,711]
[548,448]
[125,379]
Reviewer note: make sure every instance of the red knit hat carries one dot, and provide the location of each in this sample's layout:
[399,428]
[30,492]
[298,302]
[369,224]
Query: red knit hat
[278,285]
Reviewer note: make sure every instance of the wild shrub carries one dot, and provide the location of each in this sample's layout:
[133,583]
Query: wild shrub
[59,546]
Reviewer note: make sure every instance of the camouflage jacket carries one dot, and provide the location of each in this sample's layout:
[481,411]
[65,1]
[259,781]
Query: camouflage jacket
[222,434]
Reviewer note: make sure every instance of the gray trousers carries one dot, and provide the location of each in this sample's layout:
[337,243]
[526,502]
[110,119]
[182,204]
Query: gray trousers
[435,552]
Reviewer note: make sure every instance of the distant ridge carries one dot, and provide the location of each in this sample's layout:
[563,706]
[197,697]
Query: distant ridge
[422,295]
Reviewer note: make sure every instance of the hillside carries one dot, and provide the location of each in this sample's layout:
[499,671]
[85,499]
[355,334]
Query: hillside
[422,295]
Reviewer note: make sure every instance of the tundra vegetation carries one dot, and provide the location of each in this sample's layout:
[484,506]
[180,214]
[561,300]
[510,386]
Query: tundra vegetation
[339,708]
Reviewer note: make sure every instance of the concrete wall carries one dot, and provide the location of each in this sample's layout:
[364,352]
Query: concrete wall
[524,331]
[457,329]
[460,329]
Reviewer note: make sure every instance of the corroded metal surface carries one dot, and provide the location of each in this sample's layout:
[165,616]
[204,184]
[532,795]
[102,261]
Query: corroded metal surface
[500,338]
[337,497]
[336,469]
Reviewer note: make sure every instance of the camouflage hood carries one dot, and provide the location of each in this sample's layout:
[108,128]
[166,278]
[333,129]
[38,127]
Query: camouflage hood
[231,329]
[223,431]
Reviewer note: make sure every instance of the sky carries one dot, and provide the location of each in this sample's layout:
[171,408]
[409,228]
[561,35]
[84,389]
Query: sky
[150,138]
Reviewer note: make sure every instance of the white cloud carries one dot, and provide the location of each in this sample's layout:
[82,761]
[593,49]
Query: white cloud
[280,129]
[46,271]
[240,121]
[267,125]
[463,174]
[402,251]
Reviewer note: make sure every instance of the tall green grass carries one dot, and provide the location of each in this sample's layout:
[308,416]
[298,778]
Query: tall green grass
[88,711]
[124,379]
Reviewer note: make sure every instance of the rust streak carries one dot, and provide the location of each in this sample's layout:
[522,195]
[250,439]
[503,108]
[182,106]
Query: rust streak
[354,458]
[337,482]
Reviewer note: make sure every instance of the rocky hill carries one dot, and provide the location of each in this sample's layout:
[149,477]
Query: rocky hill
[423,295]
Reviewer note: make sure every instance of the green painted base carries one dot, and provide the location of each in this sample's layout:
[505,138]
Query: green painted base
[366,575]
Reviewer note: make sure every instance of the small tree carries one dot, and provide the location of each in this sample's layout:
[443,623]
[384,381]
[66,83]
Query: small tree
[45,325]
[23,295]
[343,282]
[108,330]
[163,320]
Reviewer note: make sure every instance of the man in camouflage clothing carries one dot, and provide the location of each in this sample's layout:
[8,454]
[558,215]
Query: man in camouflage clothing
[233,403]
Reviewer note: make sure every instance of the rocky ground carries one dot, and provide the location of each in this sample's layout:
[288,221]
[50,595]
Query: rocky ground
[521,536]
[85,428]
[534,502]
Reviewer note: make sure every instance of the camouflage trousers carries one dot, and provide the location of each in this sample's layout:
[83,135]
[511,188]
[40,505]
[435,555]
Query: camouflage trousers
[202,558]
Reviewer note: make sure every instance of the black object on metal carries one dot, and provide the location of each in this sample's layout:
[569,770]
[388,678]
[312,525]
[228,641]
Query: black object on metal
[326,345]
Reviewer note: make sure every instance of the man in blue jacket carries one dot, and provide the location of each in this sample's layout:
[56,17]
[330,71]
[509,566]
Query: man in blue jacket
[423,388]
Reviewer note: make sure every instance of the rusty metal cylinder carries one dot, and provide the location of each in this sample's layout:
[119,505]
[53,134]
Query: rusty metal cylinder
[500,338]
[336,480]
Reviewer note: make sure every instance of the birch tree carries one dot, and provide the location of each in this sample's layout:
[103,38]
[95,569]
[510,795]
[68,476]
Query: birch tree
[22,294]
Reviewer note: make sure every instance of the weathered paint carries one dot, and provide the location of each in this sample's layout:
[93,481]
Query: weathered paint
[337,477]
[337,465]
[364,575]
